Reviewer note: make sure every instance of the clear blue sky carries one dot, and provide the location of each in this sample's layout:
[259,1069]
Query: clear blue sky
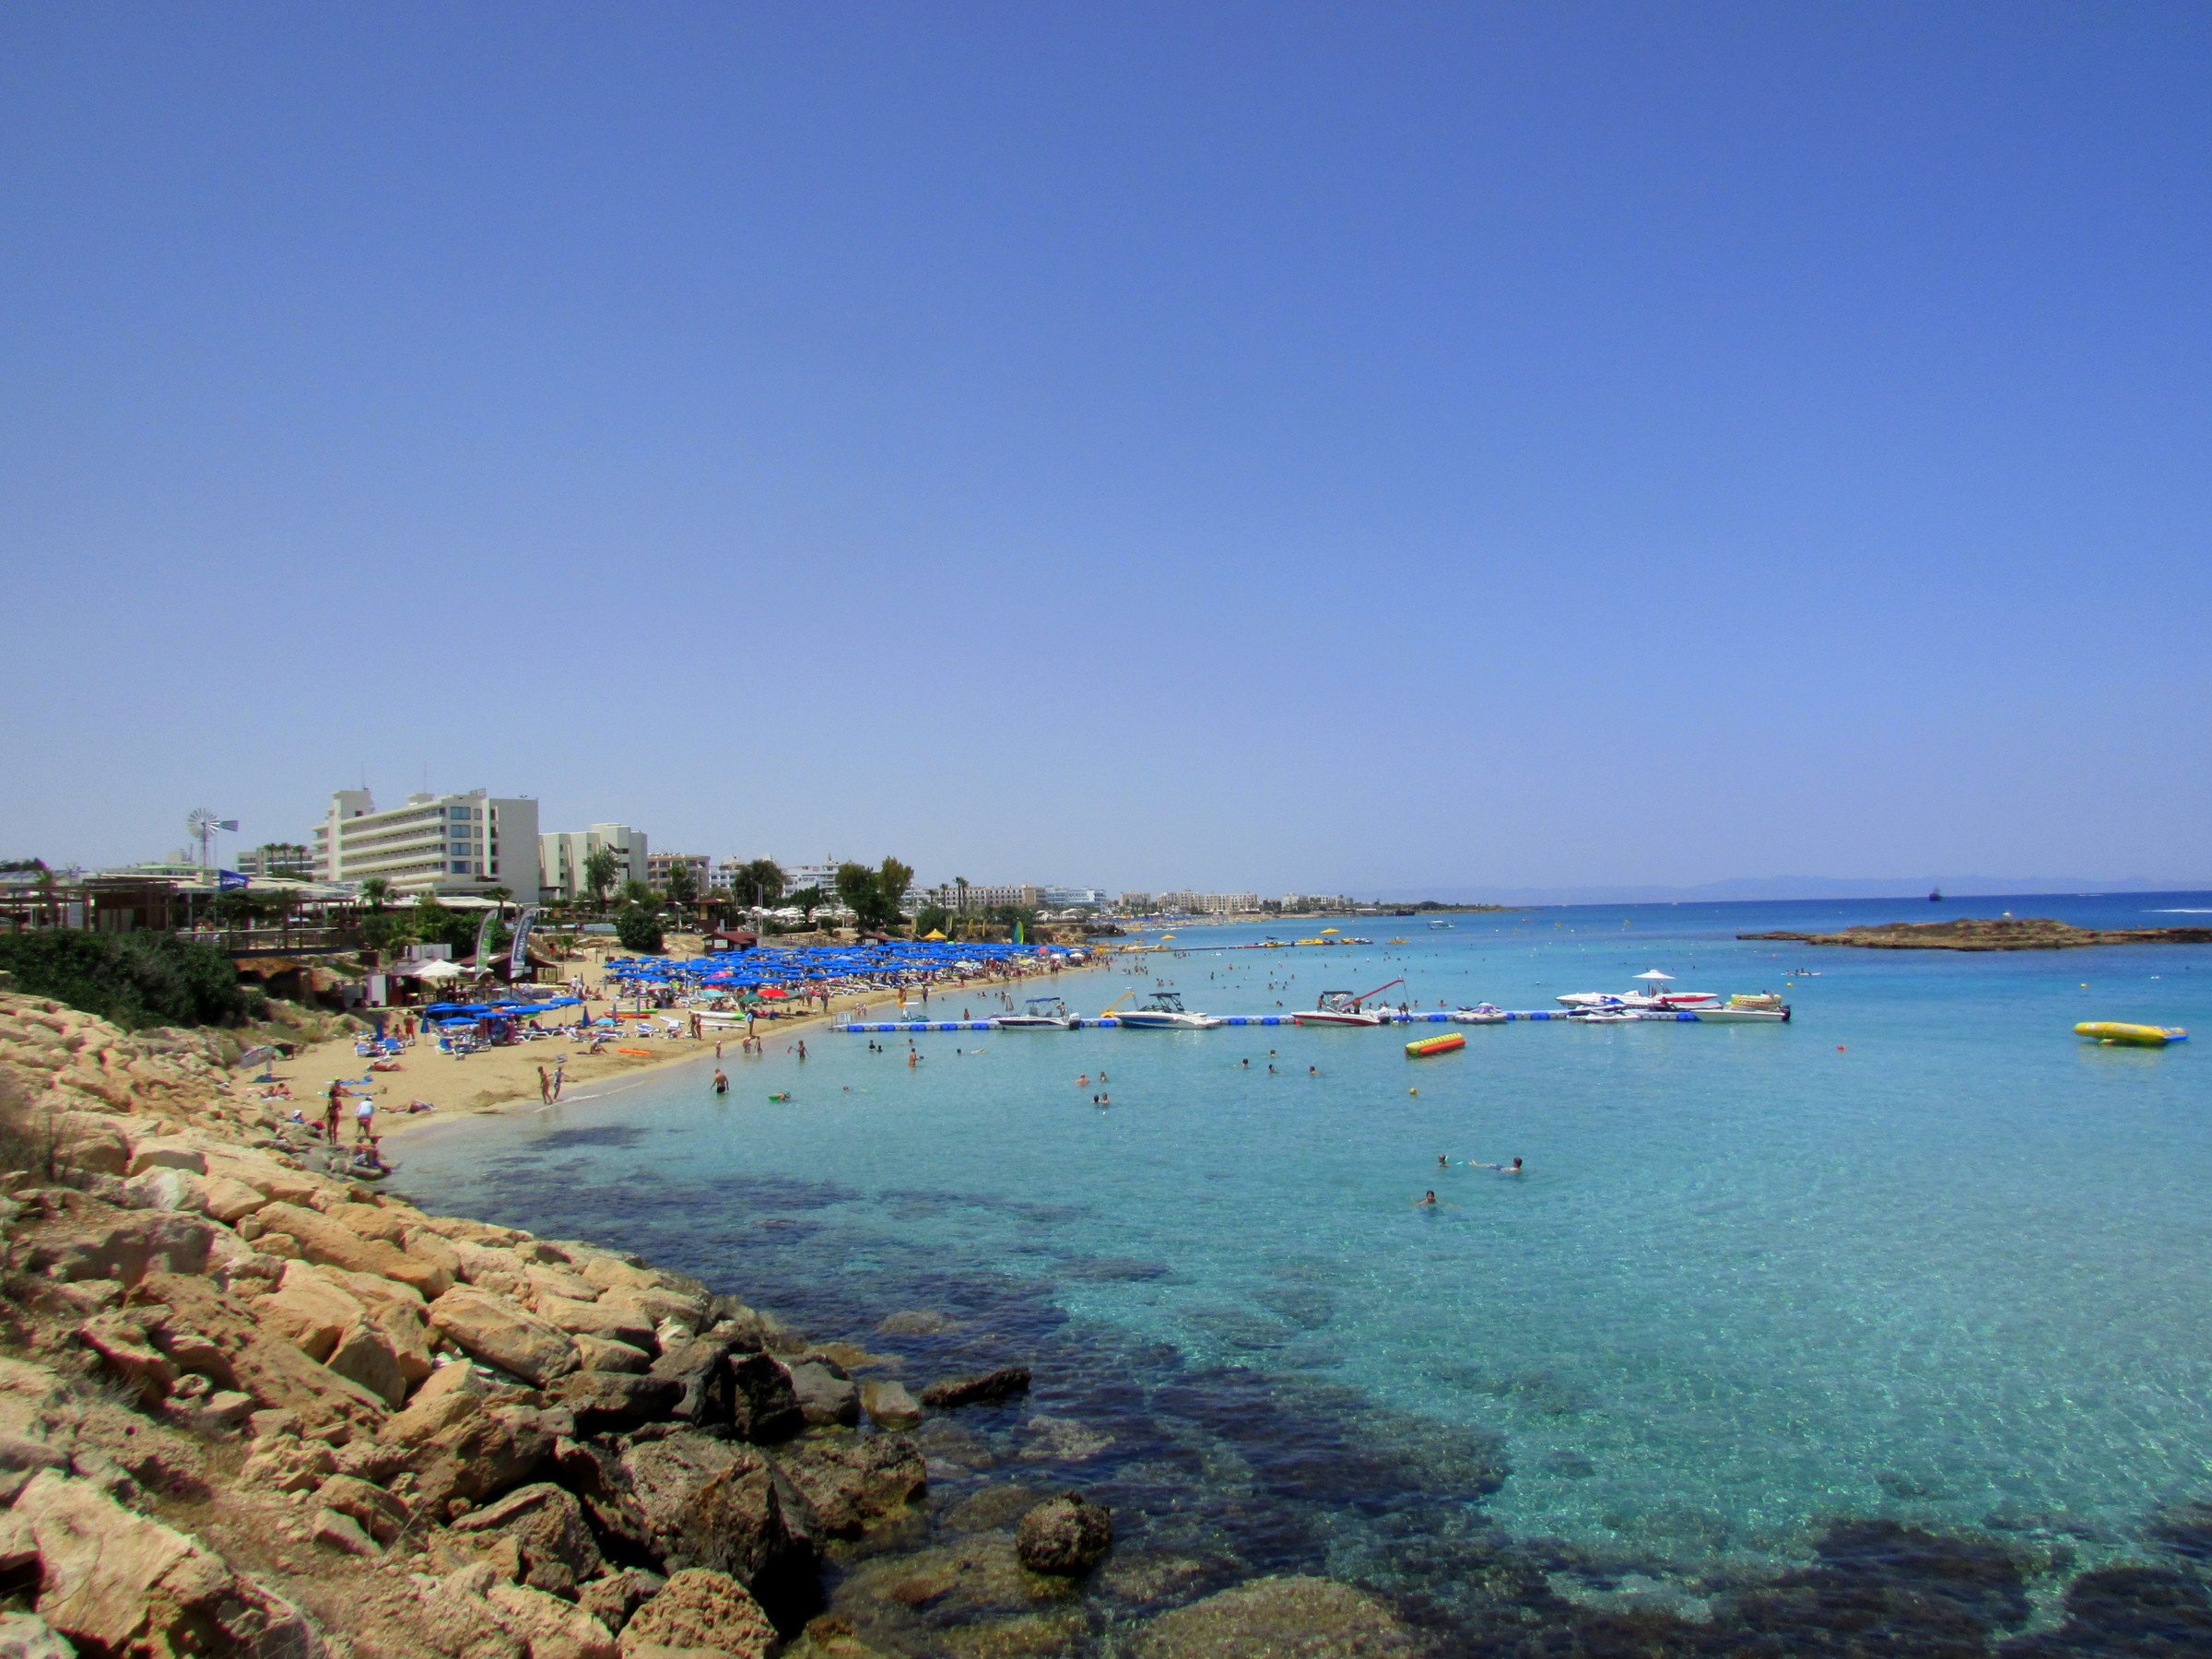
[1233,445]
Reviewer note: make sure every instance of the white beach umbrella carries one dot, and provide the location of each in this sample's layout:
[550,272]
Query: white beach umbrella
[1655,974]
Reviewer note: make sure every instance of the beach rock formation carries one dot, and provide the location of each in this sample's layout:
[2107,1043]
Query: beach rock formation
[1065,1535]
[700,1611]
[2005,933]
[1279,1619]
[987,1389]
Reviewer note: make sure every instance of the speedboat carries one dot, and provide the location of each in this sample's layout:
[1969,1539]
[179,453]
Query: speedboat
[1602,1016]
[1038,1014]
[1165,1012]
[1481,1014]
[1763,1008]
[1636,999]
[1346,1008]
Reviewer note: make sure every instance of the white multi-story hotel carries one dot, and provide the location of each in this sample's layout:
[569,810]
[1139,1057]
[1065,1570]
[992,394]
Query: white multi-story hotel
[443,844]
[561,855]
[659,864]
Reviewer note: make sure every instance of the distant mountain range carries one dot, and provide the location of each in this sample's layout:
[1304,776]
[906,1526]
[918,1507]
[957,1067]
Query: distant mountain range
[1770,888]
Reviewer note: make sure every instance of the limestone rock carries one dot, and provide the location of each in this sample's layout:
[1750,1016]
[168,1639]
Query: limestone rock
[166,1152]
[186,1314]
[611,1600]
[763,1407]
[889,1404]
[848,1481]
[986,1389]
[334,1529]
[319,1239]
[382,1516]
[1278,1619]
[552,1628]
[1065,1535]
[825,1394]
[463,1444]
[544,1523]
[128,1249]
[90,1142]
[26,1636]
[701,1609]
[688,1500]
[499,1332]
[606,1401]
[128,1355]
[595,1319]
[119,1583]
[700,1366]
[598,1354]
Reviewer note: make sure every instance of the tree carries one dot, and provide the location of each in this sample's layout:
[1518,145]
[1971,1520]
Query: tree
[375,893]
[639,929]
[758,884]
[683,884]
[931,918]
[599,866]
[136,980]
[636,893]
[500,895]
[874,896]
[809,900]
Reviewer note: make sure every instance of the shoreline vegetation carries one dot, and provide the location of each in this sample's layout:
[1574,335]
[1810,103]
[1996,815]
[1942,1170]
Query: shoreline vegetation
[2004,933]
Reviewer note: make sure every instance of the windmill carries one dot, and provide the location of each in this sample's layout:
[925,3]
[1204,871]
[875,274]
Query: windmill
[201,825]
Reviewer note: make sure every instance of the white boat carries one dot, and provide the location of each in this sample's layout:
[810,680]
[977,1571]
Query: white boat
[1733,1015]
[1165,1012]
[1481,1014]
[1636,999]
[1602,1016]
[1346,1008]
[1038,1014]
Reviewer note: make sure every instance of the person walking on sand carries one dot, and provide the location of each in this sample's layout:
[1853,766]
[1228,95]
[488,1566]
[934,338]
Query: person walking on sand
[560,1066]
[544,1088]
[364,1119]
[331,1111]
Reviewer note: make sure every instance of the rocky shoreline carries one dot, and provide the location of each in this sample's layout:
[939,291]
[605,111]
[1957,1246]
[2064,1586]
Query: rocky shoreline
[2005,933]
[245,1406]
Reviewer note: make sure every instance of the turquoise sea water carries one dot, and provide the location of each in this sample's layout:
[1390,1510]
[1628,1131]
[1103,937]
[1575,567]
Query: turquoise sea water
[1921,1255]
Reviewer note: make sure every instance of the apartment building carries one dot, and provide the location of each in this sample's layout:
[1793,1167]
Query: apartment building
[447,845]
[561,854]
[658,864]
[953,897]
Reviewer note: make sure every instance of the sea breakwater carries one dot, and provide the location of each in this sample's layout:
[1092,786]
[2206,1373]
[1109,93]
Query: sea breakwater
[2004,933]
[250,1407]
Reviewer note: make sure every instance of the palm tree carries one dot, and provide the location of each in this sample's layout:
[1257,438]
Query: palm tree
[375,890]
[500,895]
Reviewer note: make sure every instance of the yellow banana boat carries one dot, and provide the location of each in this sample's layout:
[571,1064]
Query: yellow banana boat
[1423,1047]
[2134,1036]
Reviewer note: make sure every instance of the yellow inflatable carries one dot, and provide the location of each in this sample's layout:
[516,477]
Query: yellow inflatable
[2135,1036]
[1425,1046]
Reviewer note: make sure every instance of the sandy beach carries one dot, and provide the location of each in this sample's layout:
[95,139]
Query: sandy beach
[498,1079]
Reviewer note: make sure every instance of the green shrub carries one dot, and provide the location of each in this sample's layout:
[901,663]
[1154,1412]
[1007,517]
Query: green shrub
[135,979]
[640,930]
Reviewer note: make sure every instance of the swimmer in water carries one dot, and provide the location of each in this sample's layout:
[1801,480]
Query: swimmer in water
[1442,1162]
[1428,1199]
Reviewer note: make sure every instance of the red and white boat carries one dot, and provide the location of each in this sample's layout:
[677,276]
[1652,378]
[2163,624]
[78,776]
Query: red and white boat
[1345,1008]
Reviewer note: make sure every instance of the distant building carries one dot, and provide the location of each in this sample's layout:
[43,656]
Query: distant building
[292,861]
[658,864]
[1136,904]
[443,844]
[797,877]
[561,855]
[953,897]
[1065,897]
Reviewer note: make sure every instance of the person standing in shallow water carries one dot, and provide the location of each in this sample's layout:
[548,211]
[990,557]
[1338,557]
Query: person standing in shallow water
[721,1083]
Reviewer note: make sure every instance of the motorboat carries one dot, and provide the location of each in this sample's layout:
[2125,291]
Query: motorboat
[1747,1011]
[1481,1014]
[1440,927]
[1038,1014]
[1604,1015]
[1636,999]
[1346,1008]
[1165,1012]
